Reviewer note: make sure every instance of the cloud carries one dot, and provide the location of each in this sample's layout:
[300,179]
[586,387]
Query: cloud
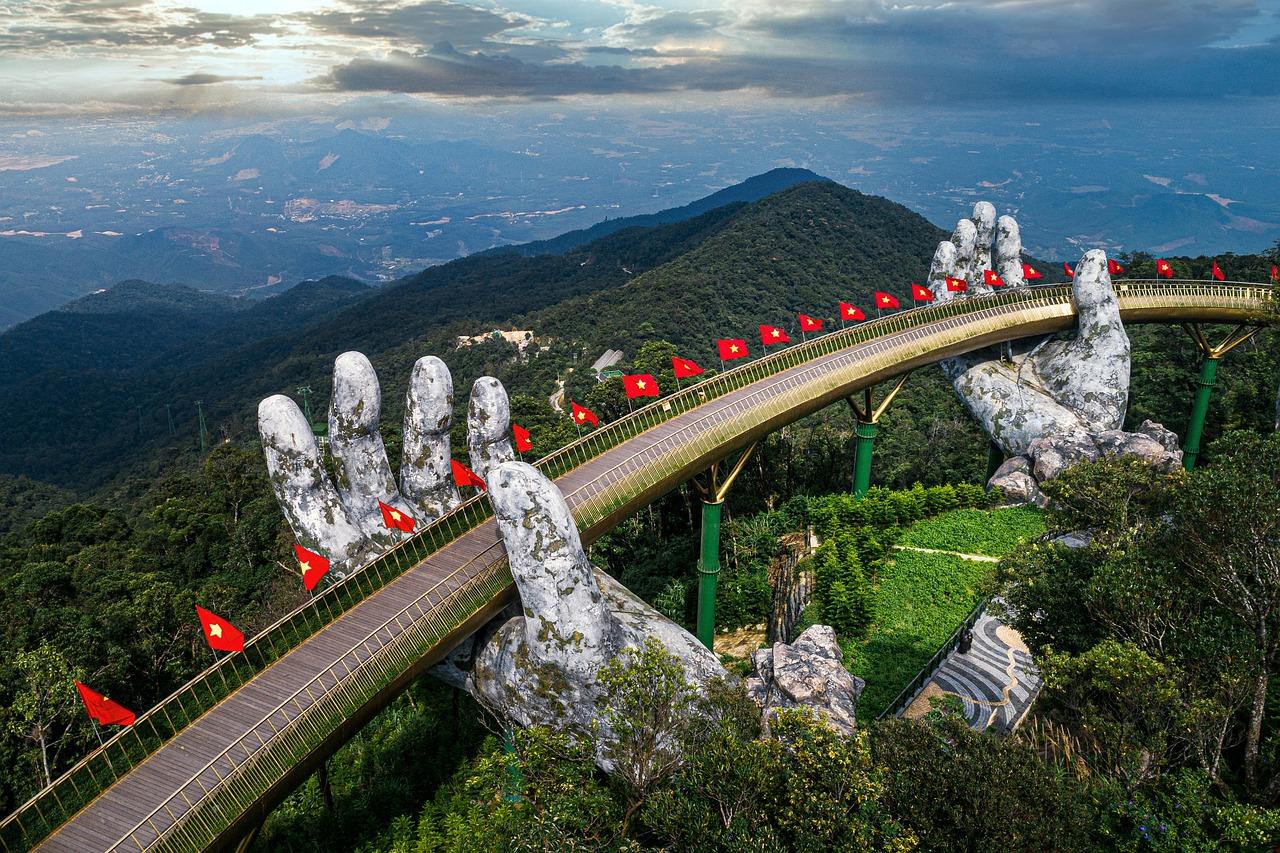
[201,79]
[419,24]
[123,24]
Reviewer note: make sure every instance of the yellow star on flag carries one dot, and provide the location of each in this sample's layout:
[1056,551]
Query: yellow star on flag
[582,416]
[775,333]
[733,348]
[215,630]
[306,567]
[395,516]
[884,300]
[640,384]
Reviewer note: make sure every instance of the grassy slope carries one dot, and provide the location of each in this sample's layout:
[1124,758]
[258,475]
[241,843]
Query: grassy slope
[920,599]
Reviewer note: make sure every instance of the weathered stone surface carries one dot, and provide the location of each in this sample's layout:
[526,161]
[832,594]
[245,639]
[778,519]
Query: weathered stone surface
[359,459]
[1167,438]
[1009,252]
[807,674]
[426,478]
[309,501]
[1053,454]
[1016,480]
[488,421]
[1120,443]
[540,667]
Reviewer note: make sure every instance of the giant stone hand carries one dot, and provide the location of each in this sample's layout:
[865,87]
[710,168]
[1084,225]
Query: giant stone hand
[1046,402]
[534,666]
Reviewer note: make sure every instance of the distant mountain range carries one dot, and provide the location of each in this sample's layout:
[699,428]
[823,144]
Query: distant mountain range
[752,189]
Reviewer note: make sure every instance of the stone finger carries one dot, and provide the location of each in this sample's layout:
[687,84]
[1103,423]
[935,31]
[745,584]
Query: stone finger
[488,423]
[984,224]
[965,240]
[1009,252]
[942,268]
[1090,372]
[360,460]
[310,502]
[426,479]
[566,618]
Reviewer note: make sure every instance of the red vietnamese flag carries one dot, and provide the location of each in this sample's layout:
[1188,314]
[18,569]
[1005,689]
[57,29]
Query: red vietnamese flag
[220,634]
[1067,270]
[462,476]
[1113,267]
[773,335]
[583,415]
[1030,273]
[1275,274]
[956,285]
[921,294]
[731,348]
[809,324]
[990,278]
[1164,268]
[851,312]
[684,368]
[1217,271]
[885,300]
[395,519]
[313,566]
[640,385]
[103,710]
[523,443]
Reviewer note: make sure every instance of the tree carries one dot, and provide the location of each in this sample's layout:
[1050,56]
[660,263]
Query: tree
[1226,522]
[646,711]
[46,695]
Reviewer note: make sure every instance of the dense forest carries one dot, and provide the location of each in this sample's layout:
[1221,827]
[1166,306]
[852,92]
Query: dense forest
[112,528]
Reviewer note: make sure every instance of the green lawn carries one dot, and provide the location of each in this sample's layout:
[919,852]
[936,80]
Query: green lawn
[920,599]
[993,532]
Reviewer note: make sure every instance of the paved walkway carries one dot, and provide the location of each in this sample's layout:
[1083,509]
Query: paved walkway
[996,679]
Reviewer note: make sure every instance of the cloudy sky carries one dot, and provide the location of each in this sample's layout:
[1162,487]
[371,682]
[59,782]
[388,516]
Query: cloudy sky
[82,55]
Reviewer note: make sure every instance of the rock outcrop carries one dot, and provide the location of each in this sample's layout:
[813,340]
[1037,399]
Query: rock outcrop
[808,673]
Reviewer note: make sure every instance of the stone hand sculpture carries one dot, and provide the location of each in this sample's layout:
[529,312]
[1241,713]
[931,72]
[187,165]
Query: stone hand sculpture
[1046,402]
[536,667]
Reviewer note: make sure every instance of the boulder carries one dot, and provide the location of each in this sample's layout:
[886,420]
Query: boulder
[808,673]
[1167,438]
[1142,446]
[1017,481]
[1053,454]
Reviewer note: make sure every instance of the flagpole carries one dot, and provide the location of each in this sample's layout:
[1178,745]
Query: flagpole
[629,409]
[678,388]
[97,731]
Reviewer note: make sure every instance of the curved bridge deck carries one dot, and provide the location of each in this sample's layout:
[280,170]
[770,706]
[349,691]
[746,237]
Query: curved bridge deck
[207,764]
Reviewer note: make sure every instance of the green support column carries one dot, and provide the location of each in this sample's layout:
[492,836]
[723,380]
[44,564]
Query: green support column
[868,420]
[514,780]
[1208,376]
[713,495]
[866,433]
[708,570]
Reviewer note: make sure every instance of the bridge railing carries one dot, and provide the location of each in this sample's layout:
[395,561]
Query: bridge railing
[56,803]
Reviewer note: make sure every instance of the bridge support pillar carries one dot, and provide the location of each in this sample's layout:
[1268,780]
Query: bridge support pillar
[713,495]
[1208,377]
[868,417]
[866,442]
